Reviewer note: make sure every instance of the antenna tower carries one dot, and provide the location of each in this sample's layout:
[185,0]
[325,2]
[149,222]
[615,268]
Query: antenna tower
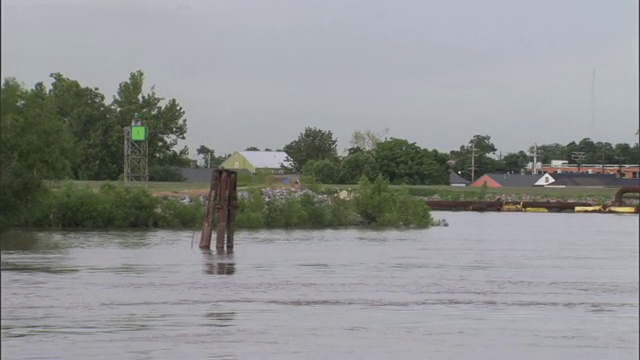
[136,153]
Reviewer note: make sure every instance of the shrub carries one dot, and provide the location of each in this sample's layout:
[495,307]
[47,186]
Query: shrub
[379,205]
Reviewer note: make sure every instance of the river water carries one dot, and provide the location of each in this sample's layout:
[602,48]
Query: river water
[489,286]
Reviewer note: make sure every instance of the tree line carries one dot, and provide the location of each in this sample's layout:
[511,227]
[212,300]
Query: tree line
[372,154]
[72,131]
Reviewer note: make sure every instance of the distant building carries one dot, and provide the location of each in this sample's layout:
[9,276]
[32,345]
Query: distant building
[457,180]
[629,171]
[196,174]
[506,180]
[585,180]
[273,162]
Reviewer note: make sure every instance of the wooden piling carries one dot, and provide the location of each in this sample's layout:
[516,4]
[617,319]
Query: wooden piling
[233,205]
[222,200]
[223,210]
[205,238]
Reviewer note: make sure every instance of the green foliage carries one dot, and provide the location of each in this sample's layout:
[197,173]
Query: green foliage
[35,144]
[250,214]
[119,206]
[112,206]
[246,178]
[96,136]
[378,204]
[175,214]
[480,147]
[356,165]
[311,183]
[312,144]
[209,158]
[325,171]
[407,163]
[166,123]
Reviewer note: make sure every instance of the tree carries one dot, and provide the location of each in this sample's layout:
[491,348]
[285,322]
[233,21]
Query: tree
[325,171]
[96,136]
[209,158]
[367,140]
[166,123]
[550,152]
[312,144]
[35,145]
[513,162]
[252,148]
[402,162]
[475,154]
[357,165]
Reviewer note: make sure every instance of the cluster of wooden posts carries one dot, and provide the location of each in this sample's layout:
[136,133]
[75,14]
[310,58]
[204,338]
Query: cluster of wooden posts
[222,200]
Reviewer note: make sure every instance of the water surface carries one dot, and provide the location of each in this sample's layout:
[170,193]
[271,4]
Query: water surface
[489,286]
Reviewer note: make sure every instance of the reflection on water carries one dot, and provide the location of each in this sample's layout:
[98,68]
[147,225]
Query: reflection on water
[219,264]
[488,286]
[28,241]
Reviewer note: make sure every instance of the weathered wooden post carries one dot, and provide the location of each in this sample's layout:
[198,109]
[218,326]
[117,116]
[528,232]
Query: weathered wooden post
[233,203]
[223,209]
[222,201]
[212,199]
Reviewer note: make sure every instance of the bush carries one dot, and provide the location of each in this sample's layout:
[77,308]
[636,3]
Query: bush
[250,212]
[175,214]
[379,205]
[121,206]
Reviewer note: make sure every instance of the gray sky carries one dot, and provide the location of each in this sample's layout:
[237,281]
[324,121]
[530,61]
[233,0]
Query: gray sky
[256,72]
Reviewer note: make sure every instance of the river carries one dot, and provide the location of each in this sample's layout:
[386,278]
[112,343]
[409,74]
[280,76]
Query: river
[489,286]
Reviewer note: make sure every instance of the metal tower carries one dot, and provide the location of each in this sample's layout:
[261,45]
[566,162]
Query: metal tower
[136,153]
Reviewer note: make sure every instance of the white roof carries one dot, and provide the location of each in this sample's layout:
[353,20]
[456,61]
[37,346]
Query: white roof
[266,159]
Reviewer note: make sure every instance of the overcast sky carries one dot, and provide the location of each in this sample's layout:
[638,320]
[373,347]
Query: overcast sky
[256,72]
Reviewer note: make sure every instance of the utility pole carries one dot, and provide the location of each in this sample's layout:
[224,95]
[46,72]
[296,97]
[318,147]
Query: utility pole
[473,161]
[578,157]
[535,158]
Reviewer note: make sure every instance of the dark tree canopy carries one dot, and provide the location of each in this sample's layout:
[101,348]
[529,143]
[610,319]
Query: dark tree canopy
[312,144]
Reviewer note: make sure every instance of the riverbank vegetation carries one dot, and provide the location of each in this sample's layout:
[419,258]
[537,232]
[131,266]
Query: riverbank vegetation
[118,206]
[68,131]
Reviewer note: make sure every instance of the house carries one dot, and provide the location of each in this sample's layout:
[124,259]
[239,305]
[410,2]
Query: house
[585,180]
[507,180]
[457,180]
[258,162]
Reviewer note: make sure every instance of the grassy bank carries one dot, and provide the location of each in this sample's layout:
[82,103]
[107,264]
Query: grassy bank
[113,205]
[440,191]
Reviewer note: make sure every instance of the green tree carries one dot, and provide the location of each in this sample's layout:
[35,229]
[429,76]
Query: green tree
[35,145]
[166,123]
[312,144]
[475,154]
[550,152]
[96,136]
[402,162]
[513,162]
[357,165]
[252,148]
[324,171]
[209,158]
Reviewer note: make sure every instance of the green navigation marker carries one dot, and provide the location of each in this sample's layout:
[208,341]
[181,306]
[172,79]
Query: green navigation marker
[138,133]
